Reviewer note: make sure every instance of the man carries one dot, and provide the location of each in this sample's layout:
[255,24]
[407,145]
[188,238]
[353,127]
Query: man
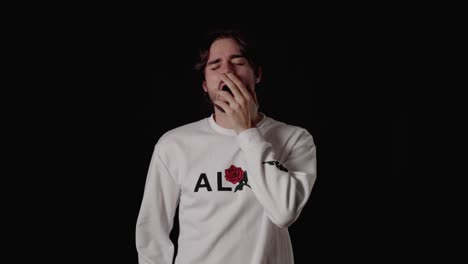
[239,177]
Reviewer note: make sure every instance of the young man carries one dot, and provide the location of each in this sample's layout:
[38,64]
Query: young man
[240,178]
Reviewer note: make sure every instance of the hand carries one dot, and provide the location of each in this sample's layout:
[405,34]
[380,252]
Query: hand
[242,108]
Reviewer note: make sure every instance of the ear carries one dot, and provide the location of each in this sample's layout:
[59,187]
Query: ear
[258,75]
[204,86]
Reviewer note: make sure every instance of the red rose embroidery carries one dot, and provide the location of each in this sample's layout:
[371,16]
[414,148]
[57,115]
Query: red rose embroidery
[237,175]
[234,174]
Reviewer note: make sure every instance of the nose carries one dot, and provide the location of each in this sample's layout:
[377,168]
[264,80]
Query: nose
[227,67]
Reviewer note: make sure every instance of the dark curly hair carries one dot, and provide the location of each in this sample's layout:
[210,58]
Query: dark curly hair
[246,43]
[248,48]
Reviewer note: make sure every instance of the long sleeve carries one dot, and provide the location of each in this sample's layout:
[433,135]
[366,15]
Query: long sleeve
[156,216]
[281,187]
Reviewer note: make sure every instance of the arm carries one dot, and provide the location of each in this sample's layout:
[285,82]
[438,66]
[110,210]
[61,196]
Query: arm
[156,216]
[283,188]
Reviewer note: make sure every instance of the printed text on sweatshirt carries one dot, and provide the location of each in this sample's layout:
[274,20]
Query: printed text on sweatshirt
[237,194]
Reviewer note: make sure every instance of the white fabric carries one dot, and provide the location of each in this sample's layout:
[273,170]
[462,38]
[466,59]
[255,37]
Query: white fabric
[225,226]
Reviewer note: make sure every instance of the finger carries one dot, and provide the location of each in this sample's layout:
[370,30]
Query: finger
[226,96]
[239,85]
[234,89]
[248,92]
[223,105]
[219,108]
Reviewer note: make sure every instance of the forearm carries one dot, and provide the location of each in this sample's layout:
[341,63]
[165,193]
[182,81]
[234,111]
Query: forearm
[282,188]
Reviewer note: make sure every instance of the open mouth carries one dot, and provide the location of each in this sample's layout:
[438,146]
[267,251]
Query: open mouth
[226,88]
[221,84]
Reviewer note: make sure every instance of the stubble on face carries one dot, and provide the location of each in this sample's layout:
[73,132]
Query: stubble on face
[223,52]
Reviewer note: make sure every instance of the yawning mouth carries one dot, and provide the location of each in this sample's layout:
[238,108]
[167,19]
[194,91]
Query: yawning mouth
[226,88]
[221,84]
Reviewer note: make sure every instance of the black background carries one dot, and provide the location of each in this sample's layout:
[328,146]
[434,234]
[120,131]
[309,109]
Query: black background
[116,85]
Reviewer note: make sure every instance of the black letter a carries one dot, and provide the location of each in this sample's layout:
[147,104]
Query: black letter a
[205,179]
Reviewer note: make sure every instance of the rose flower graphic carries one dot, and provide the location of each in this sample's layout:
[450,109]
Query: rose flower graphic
[237,175]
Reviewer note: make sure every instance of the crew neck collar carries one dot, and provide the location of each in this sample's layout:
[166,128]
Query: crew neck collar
[231,132]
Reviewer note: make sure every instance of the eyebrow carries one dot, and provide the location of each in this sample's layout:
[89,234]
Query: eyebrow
[230,57]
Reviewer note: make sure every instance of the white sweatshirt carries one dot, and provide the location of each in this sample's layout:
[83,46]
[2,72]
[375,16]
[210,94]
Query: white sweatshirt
[237,194]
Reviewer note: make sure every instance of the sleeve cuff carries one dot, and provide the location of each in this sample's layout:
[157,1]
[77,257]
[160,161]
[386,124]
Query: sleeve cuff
[250,137]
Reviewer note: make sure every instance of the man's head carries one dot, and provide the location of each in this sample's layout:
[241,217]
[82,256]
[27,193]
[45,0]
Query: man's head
[227,51]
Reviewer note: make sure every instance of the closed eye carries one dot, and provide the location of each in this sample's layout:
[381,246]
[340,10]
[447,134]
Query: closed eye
[239,61]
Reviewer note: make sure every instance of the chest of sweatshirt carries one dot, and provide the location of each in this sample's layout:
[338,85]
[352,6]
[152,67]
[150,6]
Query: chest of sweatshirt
[211,162]
[213,178]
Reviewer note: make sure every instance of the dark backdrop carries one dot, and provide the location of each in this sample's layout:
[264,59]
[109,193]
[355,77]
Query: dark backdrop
[121,85]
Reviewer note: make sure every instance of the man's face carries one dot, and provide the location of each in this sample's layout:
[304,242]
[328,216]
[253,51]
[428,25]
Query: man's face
[225,56]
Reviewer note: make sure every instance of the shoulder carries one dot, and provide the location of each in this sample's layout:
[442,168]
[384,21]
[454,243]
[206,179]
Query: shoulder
[181,133]
[287,130]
